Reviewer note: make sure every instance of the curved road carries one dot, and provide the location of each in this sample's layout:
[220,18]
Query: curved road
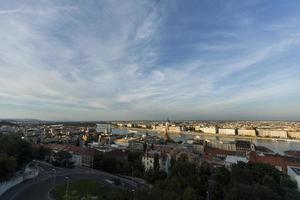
[38,188]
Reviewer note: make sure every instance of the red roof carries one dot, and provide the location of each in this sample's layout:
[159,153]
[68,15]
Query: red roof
[215,151]
[293,153]
[275,160]
[70,149]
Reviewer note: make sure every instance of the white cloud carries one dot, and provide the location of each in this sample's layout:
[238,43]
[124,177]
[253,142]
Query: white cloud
[104,60]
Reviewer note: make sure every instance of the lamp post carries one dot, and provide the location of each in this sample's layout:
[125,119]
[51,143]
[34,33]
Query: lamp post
[67,188]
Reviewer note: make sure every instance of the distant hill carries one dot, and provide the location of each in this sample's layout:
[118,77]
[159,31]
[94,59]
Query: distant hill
[6,123]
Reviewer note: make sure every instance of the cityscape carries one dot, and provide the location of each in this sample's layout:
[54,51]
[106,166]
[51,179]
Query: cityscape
[149,100]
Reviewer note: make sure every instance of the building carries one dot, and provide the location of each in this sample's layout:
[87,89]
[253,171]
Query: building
[143,126]
[231,160]
[82,157]
[130,125]
[278,161]
[210,130]
[247,132]
[215,156]
[224,145]
[243,147]
[176,129]
[134,145]
[294,134]
[272,133]
[227,131]
[164,160]
[198,146]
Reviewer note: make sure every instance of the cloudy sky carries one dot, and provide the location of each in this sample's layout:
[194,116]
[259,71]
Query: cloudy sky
[104,60]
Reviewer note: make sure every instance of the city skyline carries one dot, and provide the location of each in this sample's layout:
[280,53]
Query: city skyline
[117,60]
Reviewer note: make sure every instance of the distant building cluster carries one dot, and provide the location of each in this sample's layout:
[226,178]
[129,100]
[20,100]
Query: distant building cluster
[284,130]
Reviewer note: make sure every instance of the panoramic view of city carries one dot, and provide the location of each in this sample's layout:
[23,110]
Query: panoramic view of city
[150,100]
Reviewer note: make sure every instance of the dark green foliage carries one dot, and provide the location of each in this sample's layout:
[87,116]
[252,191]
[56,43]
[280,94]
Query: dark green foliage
[8,166]
[257,181]
[130,165]
[152,176]
[15,153]
[245,192]
[63,159]
[14,146]
[41,153]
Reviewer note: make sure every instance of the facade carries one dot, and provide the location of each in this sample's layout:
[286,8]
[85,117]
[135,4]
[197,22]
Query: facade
[272,133]
[224,145]
[211,130]
[227,131]
[247,132]
[294,134]
[130,125]
[135,145]
[163,158]
[243,147]
[82,157]
[278,161]
[231,160]
[176,129]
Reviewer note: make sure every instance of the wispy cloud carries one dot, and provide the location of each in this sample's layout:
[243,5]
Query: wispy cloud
[135,59]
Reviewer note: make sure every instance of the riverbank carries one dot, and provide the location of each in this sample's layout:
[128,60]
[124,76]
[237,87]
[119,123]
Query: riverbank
[193,133]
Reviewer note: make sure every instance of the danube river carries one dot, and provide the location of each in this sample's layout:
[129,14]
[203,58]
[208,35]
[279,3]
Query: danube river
[277,146]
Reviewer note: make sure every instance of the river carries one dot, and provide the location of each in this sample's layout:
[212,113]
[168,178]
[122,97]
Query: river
[278,146]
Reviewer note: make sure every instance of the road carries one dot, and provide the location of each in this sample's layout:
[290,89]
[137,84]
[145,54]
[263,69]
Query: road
[38,188]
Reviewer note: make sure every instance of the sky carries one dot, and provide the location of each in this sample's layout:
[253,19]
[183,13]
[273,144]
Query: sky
[129,60]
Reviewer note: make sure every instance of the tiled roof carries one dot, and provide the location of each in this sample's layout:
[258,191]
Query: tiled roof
[71,149]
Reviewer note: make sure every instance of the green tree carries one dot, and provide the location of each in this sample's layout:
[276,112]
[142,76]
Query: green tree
[41,153]
[250,192]
[63,158]
[189,194]
[8,166]
[222,176]
[13,145]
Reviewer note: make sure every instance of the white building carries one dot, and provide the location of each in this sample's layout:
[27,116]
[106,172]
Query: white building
[294,134]
[164,160]
[176,129]
[227,131]
[130,125]
[231,160]
[211,130]
[272,133]
[247,132]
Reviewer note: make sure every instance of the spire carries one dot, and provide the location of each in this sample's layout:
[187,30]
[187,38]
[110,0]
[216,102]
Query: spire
[166,136]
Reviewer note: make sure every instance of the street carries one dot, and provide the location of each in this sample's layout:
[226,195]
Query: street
[38,188]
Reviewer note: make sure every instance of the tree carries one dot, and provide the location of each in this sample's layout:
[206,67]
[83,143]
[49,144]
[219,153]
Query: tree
[12,145]
[189,194]
[222,176]
[8,166]
[41,153]
[250,192]
[156,163]
[63,158]
[215,191]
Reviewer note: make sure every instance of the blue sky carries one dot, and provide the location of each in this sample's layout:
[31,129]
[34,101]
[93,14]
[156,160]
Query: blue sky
[105,60]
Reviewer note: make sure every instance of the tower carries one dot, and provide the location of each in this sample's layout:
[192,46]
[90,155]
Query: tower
[166,135]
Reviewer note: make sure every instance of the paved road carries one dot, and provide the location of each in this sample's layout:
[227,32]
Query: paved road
[37,188]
